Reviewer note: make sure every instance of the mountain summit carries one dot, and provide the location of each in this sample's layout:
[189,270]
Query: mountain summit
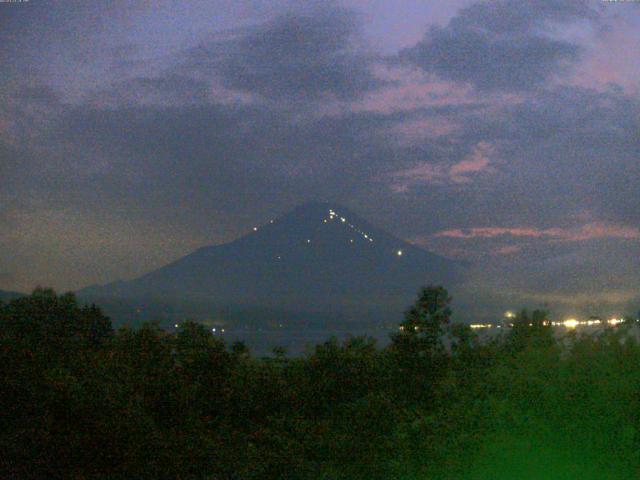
[318,257]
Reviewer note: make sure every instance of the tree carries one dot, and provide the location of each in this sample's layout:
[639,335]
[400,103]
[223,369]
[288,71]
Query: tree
[418,349]
[424,322]
[55,326]
[534,330]
[54,394]
[279,352]
[239,349]
[203,363]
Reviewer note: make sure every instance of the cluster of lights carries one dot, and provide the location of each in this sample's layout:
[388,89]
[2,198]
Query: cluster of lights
[573,323]
[255,229]
[415,328]
[333,216]
[568,323]
[214,330]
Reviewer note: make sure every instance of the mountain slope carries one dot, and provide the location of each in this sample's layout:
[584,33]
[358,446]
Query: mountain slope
[7,296]
[318,257]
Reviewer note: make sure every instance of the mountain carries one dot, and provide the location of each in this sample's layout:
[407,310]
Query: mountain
[6,296]
[320,257]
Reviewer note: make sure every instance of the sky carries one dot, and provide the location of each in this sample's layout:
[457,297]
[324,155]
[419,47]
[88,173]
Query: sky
[505,133]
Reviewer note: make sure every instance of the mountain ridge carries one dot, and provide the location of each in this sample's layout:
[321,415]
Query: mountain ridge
[7,295]
[318,256]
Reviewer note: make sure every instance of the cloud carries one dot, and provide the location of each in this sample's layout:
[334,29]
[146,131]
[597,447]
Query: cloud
[590,231]
[302,57]
[575,147]
[508,249]
[477,162]
[168,89]
[581,278]
[32,35]
[491,232]
[197,173]
[194,147]
[500,45]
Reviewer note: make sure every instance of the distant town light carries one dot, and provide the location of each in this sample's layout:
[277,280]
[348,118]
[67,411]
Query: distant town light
[571,323]
[399,253]
[509,314]
[255,229]
[176,325]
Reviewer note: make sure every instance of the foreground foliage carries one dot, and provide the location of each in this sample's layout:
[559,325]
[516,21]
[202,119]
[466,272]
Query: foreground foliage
[79,400]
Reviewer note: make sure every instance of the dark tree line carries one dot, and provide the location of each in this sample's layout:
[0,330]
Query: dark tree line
[80,400]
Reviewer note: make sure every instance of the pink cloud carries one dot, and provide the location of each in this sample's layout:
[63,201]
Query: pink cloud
[423,173]
[508,250]
[413,90]
[608,57]
[603,230]
[411,131]
[588,231]
[490,232]
[478,161]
